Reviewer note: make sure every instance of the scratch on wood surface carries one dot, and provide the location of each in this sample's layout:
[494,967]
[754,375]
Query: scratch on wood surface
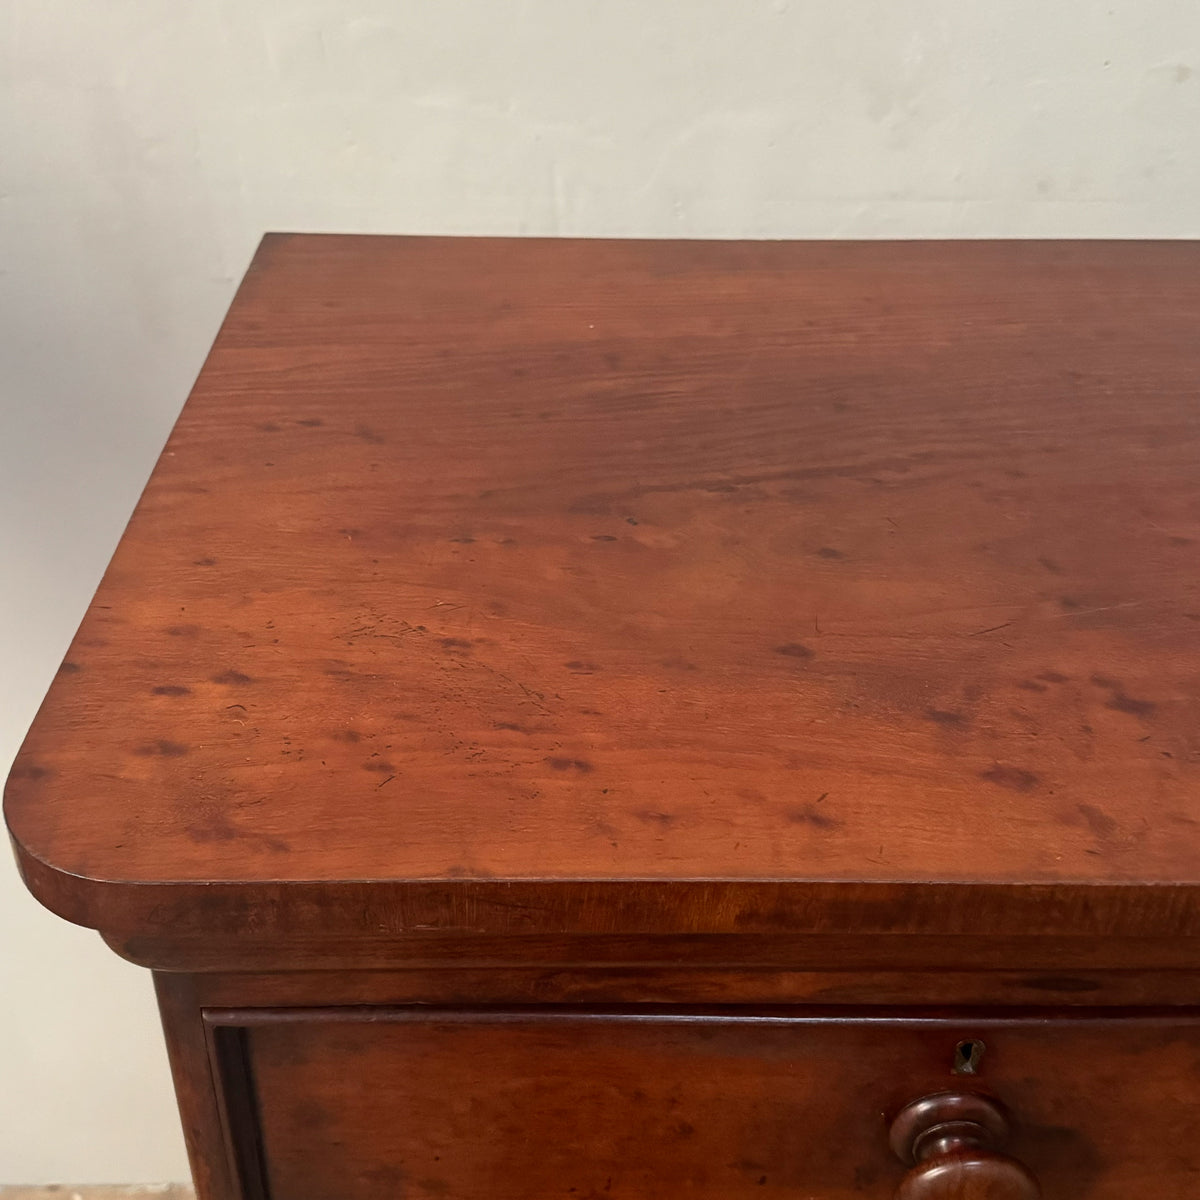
[1087,612]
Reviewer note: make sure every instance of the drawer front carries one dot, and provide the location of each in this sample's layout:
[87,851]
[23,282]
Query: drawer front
[419,1105]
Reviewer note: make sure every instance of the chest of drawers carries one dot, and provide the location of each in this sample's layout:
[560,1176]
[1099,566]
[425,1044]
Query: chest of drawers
[627,719]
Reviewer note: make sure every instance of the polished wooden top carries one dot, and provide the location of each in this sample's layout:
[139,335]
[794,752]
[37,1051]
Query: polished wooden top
[786,569]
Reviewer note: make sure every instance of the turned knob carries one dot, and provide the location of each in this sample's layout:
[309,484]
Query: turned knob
[953,1141]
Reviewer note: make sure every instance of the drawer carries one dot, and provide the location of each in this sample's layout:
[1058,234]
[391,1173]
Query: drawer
[358,1104]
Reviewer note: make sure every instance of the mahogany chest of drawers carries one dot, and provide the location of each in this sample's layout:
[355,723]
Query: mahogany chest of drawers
[613,720]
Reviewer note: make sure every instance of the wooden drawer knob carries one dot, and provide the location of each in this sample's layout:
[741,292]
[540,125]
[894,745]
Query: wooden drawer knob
[953,1140]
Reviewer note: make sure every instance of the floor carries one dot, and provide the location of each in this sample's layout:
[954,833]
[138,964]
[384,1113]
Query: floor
[66,1191]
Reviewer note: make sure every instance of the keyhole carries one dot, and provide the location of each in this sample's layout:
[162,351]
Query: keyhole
[967,1056]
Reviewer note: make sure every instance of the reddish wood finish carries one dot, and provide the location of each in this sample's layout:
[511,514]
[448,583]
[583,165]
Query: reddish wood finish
[522,1106]
[1059,986]
[816,586]
[579,633]
[954,1140]
[193,1069]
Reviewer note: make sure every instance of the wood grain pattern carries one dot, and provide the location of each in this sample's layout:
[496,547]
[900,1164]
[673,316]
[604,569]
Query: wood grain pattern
[1036,984]
[445,1106]
[814,586]
[197,1093]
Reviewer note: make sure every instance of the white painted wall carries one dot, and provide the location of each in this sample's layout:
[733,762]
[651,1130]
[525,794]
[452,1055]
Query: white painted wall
[146,144]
